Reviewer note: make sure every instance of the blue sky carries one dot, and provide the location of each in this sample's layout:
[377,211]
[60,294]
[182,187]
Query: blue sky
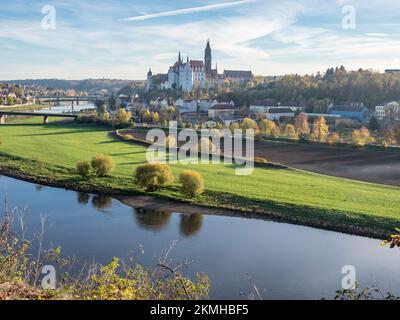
[121,38]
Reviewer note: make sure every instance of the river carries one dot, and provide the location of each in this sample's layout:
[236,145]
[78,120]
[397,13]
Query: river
[285,261]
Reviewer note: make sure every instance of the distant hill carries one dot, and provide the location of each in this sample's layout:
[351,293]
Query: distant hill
[79,85]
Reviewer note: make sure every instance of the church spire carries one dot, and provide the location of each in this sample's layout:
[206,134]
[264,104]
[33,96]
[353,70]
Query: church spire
[179,57]
[208,58]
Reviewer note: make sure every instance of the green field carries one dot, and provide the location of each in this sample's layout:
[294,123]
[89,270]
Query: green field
[296,196]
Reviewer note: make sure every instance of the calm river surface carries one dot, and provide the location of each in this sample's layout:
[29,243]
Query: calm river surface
[285,261]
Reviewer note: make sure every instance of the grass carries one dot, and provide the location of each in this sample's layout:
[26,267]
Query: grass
[293,195]
[23,108]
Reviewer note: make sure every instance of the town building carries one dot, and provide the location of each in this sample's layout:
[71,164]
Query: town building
[194,74]
[238,76]
[389,109]
[350,110]
[393,71]
[222,110]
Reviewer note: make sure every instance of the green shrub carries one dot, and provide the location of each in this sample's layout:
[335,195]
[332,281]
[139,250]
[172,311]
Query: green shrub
[192,183]
[83,168]
[152,176]
[102,165]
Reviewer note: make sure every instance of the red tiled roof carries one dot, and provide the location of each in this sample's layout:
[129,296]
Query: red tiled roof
[196,63]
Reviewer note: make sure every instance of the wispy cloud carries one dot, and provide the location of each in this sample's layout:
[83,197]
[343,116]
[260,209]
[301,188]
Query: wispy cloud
[189,10]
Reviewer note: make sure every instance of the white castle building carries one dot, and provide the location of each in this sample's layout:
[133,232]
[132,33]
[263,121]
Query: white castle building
[193,74]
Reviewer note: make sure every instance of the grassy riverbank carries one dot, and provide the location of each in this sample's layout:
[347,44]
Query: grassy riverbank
[49,154]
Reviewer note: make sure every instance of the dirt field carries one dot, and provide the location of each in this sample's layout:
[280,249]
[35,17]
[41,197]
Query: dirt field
[370,166]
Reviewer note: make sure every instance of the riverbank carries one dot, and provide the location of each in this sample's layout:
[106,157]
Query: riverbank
[163,203]
[48,155]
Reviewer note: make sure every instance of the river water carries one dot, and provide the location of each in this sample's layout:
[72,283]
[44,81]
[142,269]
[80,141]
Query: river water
[285,261]
[66,107]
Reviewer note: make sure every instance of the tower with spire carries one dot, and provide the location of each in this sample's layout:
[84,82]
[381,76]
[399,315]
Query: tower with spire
[208,58]
[149,79]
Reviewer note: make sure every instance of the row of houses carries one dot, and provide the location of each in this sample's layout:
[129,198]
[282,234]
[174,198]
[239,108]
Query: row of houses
[228,112]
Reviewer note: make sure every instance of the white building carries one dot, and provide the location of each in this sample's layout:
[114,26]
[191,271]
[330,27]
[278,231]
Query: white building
[387,109]
[222,109]
[194,74]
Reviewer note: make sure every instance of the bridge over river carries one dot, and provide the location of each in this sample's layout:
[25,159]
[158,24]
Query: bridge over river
[45,115]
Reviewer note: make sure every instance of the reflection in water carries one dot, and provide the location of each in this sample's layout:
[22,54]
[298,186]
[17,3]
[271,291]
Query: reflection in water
[152,220]
[39,187]
[191,224]
[83,198]
[101,202]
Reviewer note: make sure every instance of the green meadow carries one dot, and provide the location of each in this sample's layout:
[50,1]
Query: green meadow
[295,196]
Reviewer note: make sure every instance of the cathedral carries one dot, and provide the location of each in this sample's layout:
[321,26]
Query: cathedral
[188,75]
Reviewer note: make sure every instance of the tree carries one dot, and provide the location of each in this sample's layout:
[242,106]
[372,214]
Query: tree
[112,102]
[145,115]
[320,130]
[290,131]
[10,100]
[122,116]
[301,125]
[152,176]
[155,117]
[102,165]
[270,128]
[248,123]
[192,183]
[396,131]
[234,126]
[374,124]
[1,101]
[361,137]
[333,138]
[101,106]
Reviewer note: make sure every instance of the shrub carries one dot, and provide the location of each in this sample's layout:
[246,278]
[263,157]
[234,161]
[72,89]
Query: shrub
[83,168]
[248,123]
[152,176]
[260,160]
[259,137]
[192,183]
[290,132]
[361,137]
[333,138]
[122,118]
[102,165]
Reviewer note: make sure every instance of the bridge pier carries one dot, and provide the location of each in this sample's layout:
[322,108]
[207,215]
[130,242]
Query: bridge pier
[77,101]
[2,119]
[45,119]
[72,104]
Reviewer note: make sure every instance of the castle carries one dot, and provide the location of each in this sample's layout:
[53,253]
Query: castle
[194,74]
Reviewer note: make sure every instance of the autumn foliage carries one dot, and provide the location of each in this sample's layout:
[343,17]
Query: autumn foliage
[152,176]
[192,183]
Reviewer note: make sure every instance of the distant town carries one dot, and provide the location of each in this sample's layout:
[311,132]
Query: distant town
[195,94]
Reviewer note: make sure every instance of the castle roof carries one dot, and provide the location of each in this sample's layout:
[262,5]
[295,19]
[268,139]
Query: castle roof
[196,63]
